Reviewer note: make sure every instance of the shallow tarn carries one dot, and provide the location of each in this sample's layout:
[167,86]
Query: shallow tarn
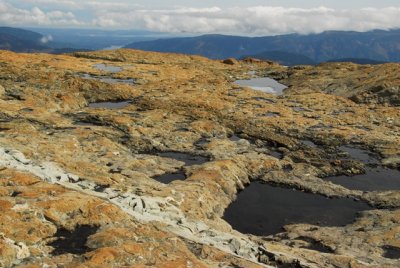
[376,177]
[189,159]
[264,84]
[359,154]
[110,105]
[108,79]
[263,209]
[391,252]
[108,68]
[169,177]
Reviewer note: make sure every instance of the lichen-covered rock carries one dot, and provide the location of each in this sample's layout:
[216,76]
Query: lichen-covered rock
[361,83]
[74,171]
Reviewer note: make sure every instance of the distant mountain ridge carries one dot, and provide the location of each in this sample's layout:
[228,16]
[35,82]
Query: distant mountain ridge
[372,47]
[377,45]
[20,40]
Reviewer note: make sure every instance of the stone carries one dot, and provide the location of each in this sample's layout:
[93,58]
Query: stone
[230,61]
[55,173]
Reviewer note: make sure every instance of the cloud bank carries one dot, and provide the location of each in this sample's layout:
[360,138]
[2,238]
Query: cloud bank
[257,20]
[10,15]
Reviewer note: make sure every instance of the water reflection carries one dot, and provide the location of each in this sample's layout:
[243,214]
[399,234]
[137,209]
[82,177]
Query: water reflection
[263,209]
[264,84]
[108,68]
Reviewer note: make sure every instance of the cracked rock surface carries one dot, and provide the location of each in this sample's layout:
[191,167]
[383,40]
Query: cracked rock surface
[81,148]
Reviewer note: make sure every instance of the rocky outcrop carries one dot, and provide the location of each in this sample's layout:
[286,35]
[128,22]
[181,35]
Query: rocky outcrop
[74,172]
[373,84]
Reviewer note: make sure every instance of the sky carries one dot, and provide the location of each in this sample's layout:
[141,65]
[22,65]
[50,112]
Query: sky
[243,17]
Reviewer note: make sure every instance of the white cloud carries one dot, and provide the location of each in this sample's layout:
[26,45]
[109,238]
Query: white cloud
[45,39]
[11,15]
[84,4]
[256,20]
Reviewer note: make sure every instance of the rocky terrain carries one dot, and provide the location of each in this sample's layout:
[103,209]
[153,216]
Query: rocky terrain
[373,84]
[91,144]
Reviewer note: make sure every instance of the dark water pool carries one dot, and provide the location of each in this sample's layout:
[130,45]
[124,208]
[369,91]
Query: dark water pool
[108,79]
[309,143]
[376,177]
[300,109]
[276,154]
[264,84]
[110,105]
[234,137]
[169,177]
[272,114]
[189,159]
[391,252]
[263,209]
[359,154]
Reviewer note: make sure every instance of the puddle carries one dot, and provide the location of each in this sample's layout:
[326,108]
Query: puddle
[86,124]
[272,114]
[169,177]
[72,242]
[100,188]
[300,109]
[320,126]
[276,154]
[234,137]
[108,68]
[110,105]
[189,159]
[83,124]
[108,79]
[263,209]
[182,129]
[265,84]
[308,143]
[391,252]
[375,179]
[26,110]
[361,155]
[264,99]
